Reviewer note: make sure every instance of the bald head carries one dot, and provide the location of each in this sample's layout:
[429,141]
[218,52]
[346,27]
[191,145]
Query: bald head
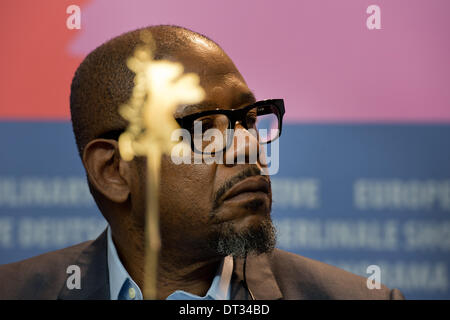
[103,82]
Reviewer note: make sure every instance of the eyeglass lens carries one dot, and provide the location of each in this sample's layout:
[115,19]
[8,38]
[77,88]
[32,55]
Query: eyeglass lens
[210,132]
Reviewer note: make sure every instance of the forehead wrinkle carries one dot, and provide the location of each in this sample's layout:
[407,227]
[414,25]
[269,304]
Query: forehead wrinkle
[185,110]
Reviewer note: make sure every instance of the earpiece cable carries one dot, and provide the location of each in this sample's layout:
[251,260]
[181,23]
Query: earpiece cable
[245,279]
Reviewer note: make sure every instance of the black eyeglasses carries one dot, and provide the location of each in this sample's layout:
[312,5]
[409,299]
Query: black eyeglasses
[212,131]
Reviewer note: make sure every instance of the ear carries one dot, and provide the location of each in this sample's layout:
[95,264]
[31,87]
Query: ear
[106,170]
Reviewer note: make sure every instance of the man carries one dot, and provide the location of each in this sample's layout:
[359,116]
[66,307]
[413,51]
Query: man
[216,232]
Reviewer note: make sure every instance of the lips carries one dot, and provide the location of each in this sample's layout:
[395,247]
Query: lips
[253,184]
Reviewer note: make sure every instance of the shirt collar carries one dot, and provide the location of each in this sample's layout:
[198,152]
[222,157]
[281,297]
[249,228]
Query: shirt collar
[220,287]
[118,276]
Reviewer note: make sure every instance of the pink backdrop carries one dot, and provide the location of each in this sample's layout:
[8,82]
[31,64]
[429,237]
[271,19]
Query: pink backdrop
[318,55]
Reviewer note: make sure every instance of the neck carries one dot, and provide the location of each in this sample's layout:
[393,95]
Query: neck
[178,269]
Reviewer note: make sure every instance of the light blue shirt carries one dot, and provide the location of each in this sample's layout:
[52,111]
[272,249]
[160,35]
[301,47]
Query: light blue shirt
[122,286]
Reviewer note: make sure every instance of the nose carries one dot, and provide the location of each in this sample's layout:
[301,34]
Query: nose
[244,148]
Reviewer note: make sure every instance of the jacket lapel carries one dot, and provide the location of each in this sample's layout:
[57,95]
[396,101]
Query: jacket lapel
[94,273]
[260,279]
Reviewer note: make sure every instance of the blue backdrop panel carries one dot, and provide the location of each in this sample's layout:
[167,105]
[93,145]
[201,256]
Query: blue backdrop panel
[45,202]
[349,195]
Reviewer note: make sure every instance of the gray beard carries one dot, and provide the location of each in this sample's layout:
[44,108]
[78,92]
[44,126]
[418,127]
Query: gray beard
[254,240]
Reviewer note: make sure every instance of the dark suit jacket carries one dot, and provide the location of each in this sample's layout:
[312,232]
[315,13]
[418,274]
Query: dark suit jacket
[278,275]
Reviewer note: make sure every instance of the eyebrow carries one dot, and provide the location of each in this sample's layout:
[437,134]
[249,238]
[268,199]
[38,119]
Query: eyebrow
[244,98]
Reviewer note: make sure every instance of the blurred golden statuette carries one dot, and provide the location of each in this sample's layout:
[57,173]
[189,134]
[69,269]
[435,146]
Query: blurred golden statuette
[160,87]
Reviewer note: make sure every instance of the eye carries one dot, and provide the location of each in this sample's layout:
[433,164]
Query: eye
[206,123]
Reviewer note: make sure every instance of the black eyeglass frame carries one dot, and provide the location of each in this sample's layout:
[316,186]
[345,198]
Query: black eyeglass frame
[234,115]
[237,115]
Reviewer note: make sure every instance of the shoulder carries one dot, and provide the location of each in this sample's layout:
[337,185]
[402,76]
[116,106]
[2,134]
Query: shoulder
[40,277]
[301,277]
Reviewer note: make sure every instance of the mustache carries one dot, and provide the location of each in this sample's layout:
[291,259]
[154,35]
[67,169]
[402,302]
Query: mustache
[248,172]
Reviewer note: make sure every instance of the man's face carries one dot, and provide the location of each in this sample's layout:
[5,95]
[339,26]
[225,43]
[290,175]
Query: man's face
[213,209]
